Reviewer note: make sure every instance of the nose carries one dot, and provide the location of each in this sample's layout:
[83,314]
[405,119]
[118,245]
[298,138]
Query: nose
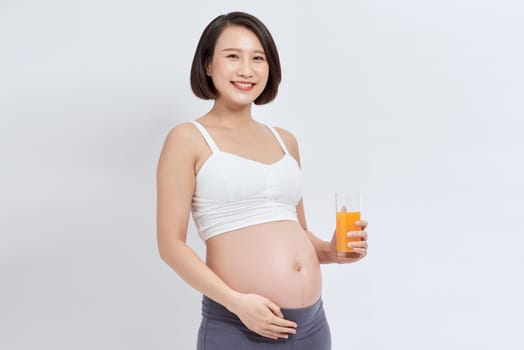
[245,70]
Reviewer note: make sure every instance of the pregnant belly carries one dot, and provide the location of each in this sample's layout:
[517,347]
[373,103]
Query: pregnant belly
[275,260]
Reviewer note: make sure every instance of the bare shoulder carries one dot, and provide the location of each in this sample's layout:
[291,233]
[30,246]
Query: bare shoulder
[183,137]
[290,141]
[183,133]
[182,142]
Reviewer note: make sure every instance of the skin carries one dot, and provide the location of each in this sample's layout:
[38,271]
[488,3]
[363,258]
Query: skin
[287,254]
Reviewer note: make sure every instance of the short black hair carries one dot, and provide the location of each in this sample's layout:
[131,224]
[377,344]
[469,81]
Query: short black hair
[201,83]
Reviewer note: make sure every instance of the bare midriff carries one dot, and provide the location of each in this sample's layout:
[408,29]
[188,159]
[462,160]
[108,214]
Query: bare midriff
[275,260]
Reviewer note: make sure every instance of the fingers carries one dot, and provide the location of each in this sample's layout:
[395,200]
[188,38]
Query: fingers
[283,323]
[274,308]
[279,327]
[362,252]
[363,235]
[359,246]
[281,331]
[264,317]
[362,224]
[272,335]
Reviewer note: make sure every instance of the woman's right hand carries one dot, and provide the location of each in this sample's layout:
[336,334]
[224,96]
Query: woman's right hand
[262,316]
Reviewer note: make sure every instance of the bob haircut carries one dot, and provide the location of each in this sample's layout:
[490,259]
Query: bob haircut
[201,83]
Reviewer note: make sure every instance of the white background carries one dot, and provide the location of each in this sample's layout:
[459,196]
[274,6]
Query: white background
[418,104]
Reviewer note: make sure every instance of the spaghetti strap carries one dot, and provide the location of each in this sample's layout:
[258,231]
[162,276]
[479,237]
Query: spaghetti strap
[209,140]
[279,139]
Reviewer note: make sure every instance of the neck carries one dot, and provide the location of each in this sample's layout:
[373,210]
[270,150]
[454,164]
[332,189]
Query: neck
[228,116]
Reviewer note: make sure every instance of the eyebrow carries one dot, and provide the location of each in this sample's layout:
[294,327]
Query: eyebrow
[238,50]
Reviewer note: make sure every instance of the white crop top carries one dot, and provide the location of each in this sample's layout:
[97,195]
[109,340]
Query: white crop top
[233,192]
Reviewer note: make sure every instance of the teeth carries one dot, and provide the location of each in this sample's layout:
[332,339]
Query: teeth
[243,85]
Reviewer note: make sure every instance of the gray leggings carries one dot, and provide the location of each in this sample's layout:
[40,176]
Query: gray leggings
[222,330]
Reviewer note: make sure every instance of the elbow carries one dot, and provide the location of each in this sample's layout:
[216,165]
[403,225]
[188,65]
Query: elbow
[164,252]
[168,250]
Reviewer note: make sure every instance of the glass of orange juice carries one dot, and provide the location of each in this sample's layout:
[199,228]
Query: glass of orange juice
[348,207]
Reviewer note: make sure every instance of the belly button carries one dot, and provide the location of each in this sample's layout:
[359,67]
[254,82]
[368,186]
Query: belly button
[298,268]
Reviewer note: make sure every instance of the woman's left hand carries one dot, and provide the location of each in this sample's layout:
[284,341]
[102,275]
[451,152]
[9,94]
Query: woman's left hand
[359,247]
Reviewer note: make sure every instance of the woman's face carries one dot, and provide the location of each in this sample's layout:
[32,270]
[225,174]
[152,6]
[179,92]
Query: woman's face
[239,68]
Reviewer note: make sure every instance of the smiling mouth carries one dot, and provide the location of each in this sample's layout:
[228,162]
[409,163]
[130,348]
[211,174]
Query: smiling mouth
[241,85]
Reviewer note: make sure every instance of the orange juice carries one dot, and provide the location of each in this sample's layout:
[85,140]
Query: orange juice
[345,223]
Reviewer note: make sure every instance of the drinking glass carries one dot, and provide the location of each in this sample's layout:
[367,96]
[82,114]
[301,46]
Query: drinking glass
[348,207]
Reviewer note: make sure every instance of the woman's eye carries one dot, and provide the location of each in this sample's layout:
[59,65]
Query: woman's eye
[259,58]
[232,56]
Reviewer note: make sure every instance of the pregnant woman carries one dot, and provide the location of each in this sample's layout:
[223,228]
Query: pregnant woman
[241,181]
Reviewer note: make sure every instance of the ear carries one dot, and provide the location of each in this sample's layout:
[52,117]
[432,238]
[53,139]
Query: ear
[208,69]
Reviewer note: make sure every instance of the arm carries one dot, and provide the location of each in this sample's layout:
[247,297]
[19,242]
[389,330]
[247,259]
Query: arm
[175,187]
[326,251]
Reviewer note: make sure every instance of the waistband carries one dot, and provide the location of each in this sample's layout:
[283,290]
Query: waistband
[209,306]
[309,319]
